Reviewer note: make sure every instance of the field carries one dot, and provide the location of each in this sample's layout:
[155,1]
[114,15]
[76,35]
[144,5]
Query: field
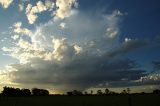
[110,100]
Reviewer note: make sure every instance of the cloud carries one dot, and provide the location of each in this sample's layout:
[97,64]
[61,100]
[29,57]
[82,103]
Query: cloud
[80,29]
[78,49]
[70,66]
[21,7]
[80,72]
[150,78]
[84,54]
[49,4]
[64,8]
[30,15]
[15,37]
[17,28]
[6,81]
[127,46]
[62,25]
[111,32]
[6,49]
[25,51]
[127,40]
[154,76]
[32,11]
[5,3]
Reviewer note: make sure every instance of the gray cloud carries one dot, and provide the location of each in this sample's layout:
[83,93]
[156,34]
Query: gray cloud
[80,72]
[128,46]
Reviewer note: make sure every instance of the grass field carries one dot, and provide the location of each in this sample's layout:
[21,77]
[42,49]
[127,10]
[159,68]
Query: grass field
[112,100]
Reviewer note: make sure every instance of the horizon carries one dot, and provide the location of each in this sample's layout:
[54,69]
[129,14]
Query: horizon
[94,91]
[62,45]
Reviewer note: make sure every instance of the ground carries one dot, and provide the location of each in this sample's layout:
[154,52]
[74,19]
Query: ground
[110,100]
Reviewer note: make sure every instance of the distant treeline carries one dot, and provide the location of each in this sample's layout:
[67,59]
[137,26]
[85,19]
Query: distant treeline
[11,91]
[108,92]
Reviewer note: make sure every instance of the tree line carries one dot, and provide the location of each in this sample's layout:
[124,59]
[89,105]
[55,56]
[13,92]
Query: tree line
[11,91]
[99,92]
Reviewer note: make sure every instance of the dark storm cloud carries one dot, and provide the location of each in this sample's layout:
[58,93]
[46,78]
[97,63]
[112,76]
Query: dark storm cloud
[79,73]
[128,46]
[127,84]
[86,69]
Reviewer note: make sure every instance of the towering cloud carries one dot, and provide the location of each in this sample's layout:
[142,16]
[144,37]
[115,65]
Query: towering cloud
[85,55]
[72,51]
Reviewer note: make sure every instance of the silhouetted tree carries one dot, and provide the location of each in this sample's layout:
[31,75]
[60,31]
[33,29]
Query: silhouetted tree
[85,93]
[35,91]
[75,92]
[124,92]
[10,91]
[142,93]
[69,93]
[91,92]
[128,90]
[26,92]
[39,92]
[99,92]
[44,92]
[112,93]
[106,91]
[156,91]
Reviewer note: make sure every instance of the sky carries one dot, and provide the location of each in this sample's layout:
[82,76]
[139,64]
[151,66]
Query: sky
[62,45]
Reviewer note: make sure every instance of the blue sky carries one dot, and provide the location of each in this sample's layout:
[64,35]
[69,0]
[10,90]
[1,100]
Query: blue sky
[50,38]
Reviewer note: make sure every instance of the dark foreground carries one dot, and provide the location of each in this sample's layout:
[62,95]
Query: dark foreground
[109,100]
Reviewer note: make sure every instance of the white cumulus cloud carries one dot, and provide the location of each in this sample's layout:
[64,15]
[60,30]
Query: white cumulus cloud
[32,11]
[64,8]
[17,28]
[5,3]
